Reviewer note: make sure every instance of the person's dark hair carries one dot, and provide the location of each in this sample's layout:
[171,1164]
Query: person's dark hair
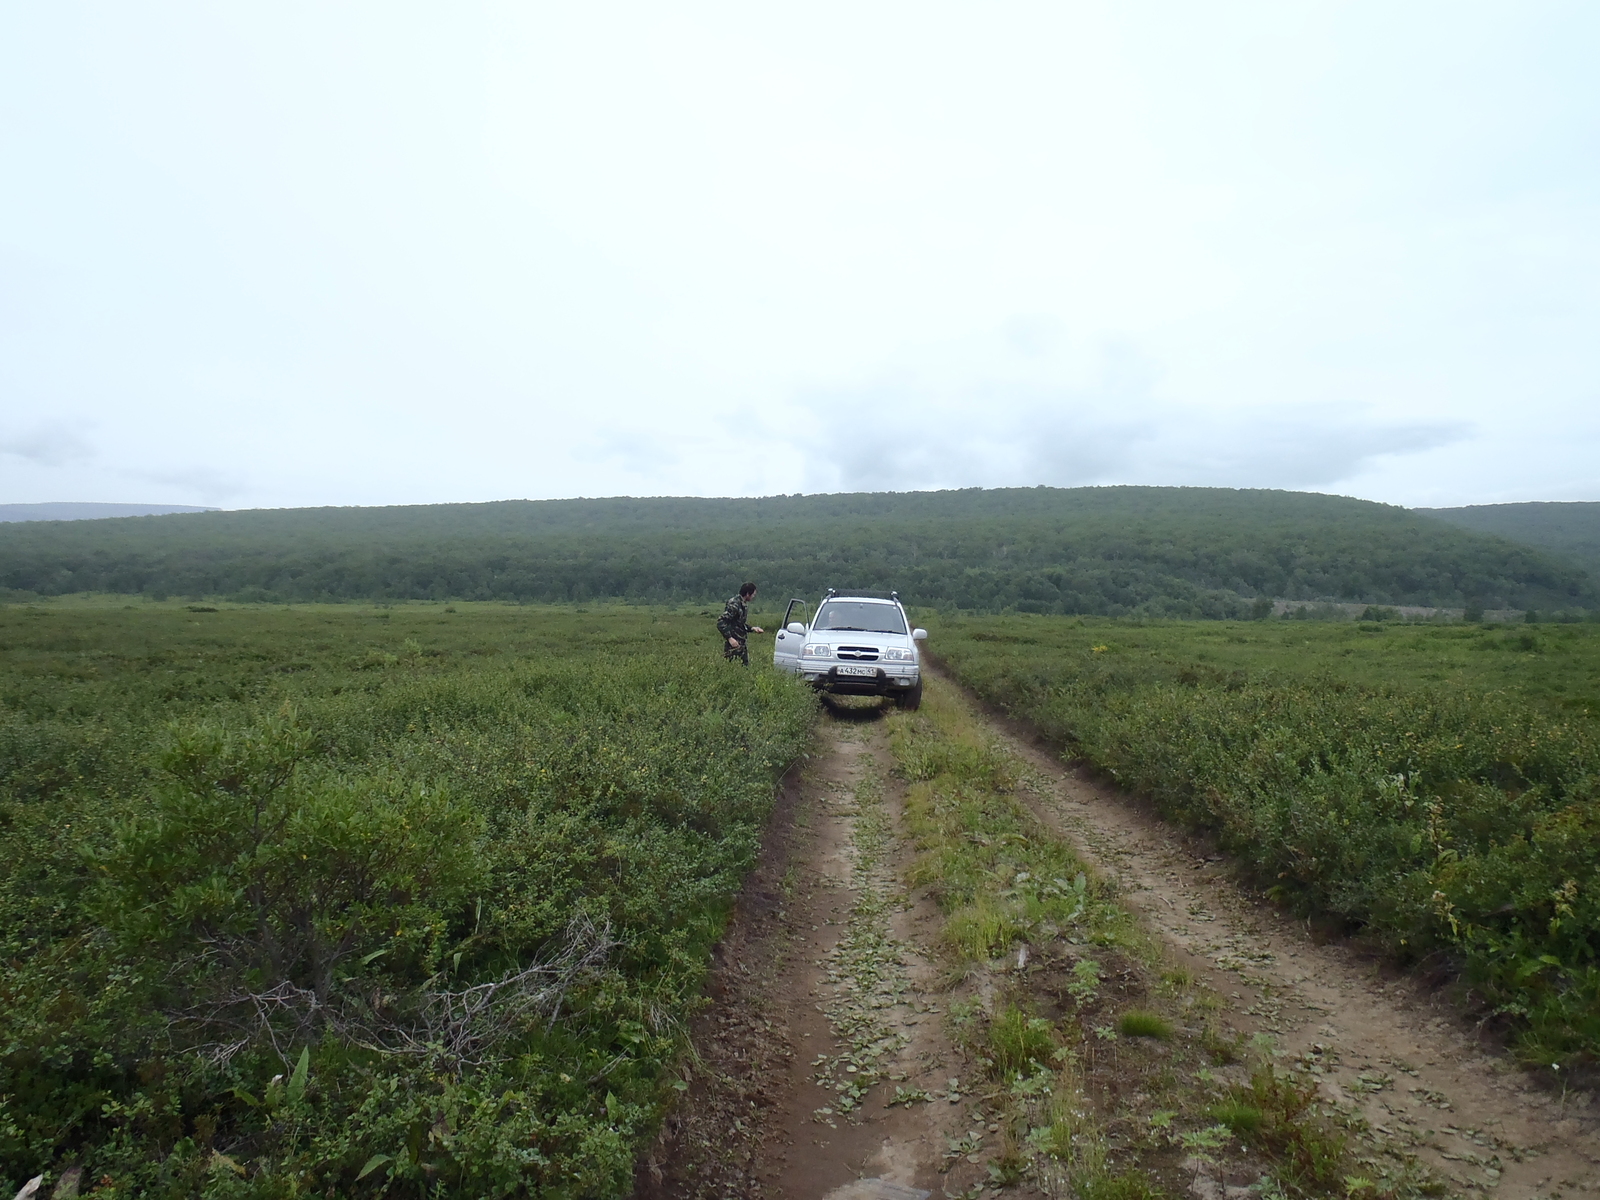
[747,590]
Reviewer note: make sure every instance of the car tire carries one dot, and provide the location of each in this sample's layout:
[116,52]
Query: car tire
[910,700]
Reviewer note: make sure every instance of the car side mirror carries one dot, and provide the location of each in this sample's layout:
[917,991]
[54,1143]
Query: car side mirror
[919,635]
[796,627]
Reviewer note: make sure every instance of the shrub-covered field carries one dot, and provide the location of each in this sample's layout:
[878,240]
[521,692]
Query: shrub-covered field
[1437,785]
[362,901]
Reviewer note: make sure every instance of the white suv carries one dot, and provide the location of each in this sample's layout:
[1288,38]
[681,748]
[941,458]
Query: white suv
[856,646]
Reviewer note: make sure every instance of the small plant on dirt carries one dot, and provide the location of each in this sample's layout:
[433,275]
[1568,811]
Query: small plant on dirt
[1307,1151]
[1053,1140]
[1264,1046]
[966,1146]
[1177,980]
[1084,986]
[1139,1023]
[1222,1049]
[907,1096]
[965,1020]
[1370,1081]
[1008,1167]
[1017,1042]
[1204,1144]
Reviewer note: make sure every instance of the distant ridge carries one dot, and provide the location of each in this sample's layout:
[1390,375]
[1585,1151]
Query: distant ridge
[90,512]
[1569,528]
[1140,551]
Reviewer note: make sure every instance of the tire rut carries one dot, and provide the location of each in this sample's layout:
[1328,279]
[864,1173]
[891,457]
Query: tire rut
[825,1000]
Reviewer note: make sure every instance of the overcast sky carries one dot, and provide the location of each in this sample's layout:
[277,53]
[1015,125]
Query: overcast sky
[286,254]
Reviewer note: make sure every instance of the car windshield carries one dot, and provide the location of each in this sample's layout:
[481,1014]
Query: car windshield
[860,616]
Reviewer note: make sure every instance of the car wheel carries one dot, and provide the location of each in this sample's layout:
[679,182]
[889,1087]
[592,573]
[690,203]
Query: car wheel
[910,700]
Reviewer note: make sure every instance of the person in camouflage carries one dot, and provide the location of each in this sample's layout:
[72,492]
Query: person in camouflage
[734,625]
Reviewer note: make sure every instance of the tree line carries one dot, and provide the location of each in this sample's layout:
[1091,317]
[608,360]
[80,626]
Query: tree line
[1178,552]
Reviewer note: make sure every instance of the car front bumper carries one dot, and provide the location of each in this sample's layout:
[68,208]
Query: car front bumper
[886,680]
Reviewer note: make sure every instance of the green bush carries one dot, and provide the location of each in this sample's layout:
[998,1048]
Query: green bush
[422,914]
[251,864]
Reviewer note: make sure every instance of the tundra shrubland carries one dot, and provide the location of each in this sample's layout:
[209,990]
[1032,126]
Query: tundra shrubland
[352,902]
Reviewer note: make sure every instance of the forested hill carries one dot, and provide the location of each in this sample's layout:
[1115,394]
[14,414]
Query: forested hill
[1570,529]
[1115,550]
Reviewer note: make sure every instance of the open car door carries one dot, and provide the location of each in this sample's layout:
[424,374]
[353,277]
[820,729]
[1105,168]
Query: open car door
[786,645]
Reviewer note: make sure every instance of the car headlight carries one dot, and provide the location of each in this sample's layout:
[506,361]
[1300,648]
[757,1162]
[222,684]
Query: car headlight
[899,654]
[817,650]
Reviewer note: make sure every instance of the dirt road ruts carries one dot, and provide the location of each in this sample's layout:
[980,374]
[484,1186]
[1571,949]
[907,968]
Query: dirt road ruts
[823,979]
[827,976]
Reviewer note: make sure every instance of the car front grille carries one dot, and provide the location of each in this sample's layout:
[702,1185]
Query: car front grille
[858,653]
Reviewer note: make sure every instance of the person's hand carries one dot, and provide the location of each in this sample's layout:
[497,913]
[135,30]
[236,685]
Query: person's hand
[757,629]
[734,642]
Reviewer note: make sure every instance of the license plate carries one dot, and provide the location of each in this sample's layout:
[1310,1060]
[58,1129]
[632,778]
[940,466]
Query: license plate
[858,670]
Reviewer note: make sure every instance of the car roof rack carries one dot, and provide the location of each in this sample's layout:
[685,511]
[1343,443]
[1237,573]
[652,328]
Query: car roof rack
[890,598]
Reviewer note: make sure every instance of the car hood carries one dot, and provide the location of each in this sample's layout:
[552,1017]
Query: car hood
[851,637]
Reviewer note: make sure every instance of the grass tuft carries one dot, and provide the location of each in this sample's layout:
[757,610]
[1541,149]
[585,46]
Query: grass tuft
[1244,1119]
[981,931]
[1139,1023]
[1017,1042]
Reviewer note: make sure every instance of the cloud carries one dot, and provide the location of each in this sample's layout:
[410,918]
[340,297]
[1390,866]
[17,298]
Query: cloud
[639,451]
[48,445]
[901,438]
[1034,335]
[1298,449]
[208,483]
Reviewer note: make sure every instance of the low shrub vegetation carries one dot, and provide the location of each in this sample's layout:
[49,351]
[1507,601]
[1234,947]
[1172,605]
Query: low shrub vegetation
[1438,787]
[355,902]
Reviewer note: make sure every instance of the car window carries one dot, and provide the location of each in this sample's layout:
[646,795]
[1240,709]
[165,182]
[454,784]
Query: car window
[860,617]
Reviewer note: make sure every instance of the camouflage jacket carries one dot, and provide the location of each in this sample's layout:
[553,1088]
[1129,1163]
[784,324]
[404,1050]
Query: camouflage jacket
[735,619]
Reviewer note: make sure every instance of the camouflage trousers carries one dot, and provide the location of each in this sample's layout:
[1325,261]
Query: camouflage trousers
[742,654]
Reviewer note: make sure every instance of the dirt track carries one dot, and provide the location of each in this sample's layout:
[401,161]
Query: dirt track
[823,974]
[827,971]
